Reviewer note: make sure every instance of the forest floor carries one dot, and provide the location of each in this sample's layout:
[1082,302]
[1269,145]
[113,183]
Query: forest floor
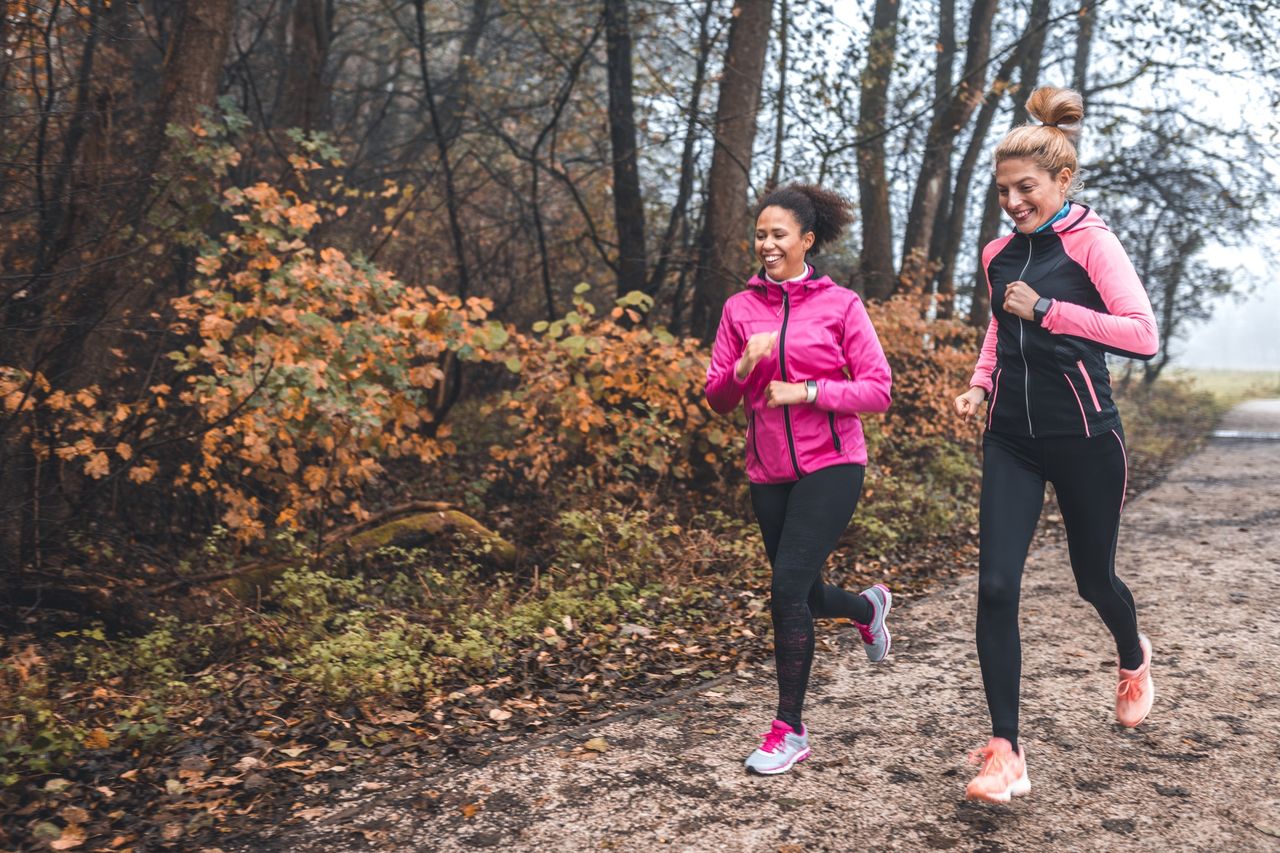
[1201,552]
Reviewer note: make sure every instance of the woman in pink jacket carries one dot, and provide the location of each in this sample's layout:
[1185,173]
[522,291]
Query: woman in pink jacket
[798,351]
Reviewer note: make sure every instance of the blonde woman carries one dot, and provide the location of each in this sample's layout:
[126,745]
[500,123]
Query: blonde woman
[1063,294]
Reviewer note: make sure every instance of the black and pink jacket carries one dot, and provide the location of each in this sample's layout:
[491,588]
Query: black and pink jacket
[1051,378]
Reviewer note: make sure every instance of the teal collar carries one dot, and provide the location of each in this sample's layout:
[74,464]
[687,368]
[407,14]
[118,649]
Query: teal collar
[1066,205]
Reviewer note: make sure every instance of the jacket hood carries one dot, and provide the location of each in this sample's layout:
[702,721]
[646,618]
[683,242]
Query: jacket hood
[772,291]
[1078,217]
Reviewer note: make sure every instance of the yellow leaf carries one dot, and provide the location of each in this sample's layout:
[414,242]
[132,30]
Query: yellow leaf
[124,451]
[98,466]
[97,739]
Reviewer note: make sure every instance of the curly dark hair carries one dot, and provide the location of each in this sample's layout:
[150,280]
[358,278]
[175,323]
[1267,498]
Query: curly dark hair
[822,211]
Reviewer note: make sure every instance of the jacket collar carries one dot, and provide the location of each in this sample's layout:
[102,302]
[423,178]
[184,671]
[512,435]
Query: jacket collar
[796,290]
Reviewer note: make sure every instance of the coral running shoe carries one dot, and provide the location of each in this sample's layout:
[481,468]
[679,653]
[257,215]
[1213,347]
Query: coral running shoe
[1003,774]
[875,636]
[781,750]
[1136,691]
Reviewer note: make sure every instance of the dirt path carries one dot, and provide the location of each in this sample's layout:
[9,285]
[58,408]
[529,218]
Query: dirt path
[1202,555]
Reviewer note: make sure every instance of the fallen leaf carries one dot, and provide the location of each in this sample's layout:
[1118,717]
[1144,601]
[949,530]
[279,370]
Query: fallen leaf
[73,814]
[469,810]
[498,715]
[72,836]
[97,739]
[597,744]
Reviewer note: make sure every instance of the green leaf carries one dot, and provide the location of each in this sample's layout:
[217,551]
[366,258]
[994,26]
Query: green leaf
[514,364]
[581,287]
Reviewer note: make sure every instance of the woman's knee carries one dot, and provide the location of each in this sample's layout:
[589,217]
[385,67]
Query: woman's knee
[998,590]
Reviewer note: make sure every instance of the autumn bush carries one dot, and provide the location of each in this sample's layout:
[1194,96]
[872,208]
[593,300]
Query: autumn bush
[606,403]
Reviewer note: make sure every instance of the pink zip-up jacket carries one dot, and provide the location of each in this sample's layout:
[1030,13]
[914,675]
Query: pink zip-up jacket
[824,334]
[1051,378]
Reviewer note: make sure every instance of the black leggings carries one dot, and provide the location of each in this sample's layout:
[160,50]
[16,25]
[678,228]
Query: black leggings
[801,522]
[1089,476]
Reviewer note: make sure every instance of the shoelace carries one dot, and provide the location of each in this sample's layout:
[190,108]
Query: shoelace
[865,631]
[995,761]
[772,740]
[1130,689]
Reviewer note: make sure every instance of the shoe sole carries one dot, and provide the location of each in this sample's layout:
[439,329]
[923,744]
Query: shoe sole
[796,759]
[1020,788]
[888,638]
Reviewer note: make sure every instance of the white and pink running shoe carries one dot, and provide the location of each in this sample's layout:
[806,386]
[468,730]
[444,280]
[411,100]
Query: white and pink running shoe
[781,750]
[875,636]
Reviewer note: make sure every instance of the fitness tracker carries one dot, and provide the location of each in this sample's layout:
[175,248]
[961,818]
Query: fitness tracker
[1043,304]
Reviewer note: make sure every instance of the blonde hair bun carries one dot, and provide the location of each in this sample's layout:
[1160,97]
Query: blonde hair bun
[1059,108]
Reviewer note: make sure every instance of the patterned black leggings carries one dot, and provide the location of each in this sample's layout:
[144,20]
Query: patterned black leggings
[801,523]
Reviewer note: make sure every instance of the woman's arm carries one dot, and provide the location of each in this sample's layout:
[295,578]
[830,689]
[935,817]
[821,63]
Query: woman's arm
[724,391]
[868,390]
[986,359]
[1129,327]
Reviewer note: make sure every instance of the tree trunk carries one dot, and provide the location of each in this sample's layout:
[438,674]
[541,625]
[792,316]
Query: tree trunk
[873,187]
[1084,43]
[628,205]
[949,118]
[442,149]
[1028,77]
[780,123]
[959,203]
[304,94]
[193,65]
[679,210]
[723,247]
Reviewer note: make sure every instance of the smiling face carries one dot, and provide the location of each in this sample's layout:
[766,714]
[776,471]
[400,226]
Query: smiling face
[779,244]
[1030,195]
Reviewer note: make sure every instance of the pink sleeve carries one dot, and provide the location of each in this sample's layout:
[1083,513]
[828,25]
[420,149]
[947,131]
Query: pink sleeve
[724,391]
[986,360]
[868,389]
[1129,326]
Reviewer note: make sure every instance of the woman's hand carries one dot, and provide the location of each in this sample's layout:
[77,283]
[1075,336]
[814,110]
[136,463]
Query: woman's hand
[967,404]
[785,394]
[1020,300]
[759,346]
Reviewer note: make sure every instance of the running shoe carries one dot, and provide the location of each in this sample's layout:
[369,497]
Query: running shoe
[780,751]
[1003,774]
[1136,691]
[875,636]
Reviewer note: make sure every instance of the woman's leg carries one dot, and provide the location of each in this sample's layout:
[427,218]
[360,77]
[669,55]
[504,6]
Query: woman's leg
[801,523]
[1089,476]
[1012,495]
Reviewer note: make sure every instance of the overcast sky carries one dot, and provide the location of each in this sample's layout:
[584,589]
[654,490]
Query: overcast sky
[1243,335]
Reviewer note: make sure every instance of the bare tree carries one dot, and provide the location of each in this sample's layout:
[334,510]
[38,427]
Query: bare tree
[873,186]
[628,204]
[721,255]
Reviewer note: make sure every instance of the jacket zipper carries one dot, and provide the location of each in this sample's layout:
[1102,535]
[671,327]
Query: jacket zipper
[1026,371]
[831,420]
[751,428]
[782,367]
